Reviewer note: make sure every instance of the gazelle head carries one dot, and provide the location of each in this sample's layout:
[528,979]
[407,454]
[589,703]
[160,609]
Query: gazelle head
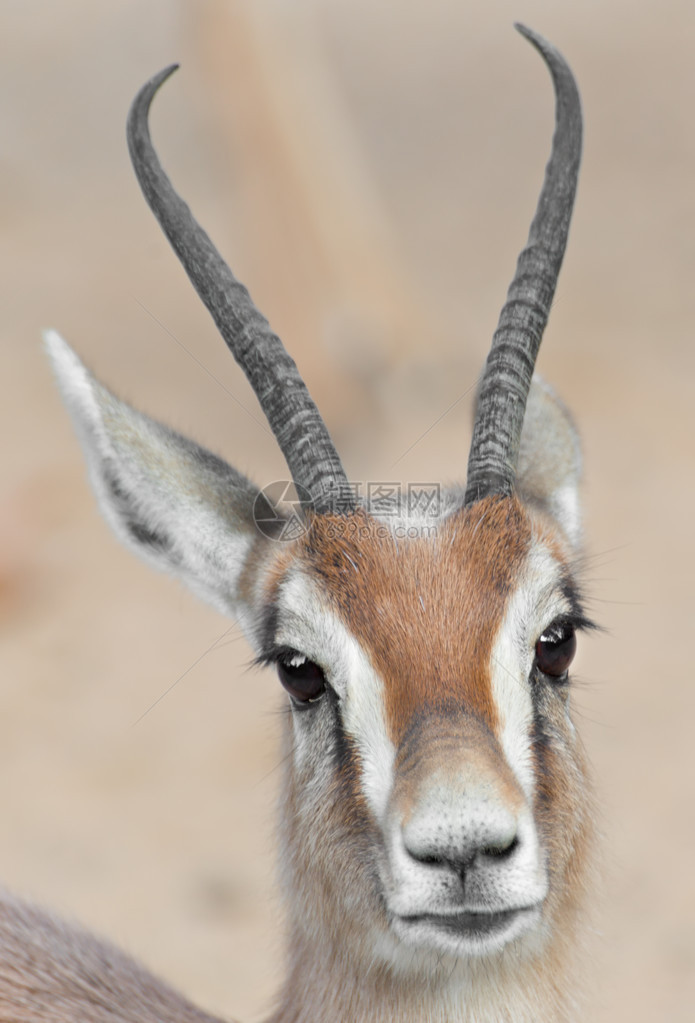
[435,804]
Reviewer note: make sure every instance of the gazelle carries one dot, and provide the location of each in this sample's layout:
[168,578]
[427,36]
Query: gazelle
[436,817]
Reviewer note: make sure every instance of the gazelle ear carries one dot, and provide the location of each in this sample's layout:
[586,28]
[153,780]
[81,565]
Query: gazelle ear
[550,461]
[175,504]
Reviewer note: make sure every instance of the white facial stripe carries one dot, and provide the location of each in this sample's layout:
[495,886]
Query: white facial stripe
[512,698]
[534,604]
[364,719]
[308,626]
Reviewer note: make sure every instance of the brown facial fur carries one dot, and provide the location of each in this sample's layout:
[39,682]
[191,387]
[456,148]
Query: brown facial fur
[425,609]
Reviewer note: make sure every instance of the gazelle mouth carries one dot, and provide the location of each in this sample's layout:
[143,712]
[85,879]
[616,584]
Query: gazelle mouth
[466,923]
[472,924]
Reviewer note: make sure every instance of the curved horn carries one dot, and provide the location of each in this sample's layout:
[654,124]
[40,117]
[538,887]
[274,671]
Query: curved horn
[509,367]
[284,398]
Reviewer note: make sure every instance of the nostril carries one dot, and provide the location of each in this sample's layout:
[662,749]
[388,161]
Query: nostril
[474,834]
[427,859]
[502,850]
[464,855]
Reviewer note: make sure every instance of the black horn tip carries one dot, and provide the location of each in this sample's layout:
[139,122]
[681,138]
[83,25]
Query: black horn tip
[139,108]
[553,58]
[533,37]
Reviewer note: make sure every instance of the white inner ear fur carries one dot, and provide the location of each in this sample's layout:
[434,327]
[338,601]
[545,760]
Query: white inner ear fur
[550,460]
[306,624]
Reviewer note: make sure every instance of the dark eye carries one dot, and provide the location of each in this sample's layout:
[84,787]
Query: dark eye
[556,648]
[302,678]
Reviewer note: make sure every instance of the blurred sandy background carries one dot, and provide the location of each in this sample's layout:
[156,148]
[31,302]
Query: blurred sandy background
[369,169]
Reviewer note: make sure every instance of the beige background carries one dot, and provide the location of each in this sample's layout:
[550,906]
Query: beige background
[370,169]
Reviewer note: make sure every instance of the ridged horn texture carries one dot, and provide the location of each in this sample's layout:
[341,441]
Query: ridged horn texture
[509,367]
[284,398]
